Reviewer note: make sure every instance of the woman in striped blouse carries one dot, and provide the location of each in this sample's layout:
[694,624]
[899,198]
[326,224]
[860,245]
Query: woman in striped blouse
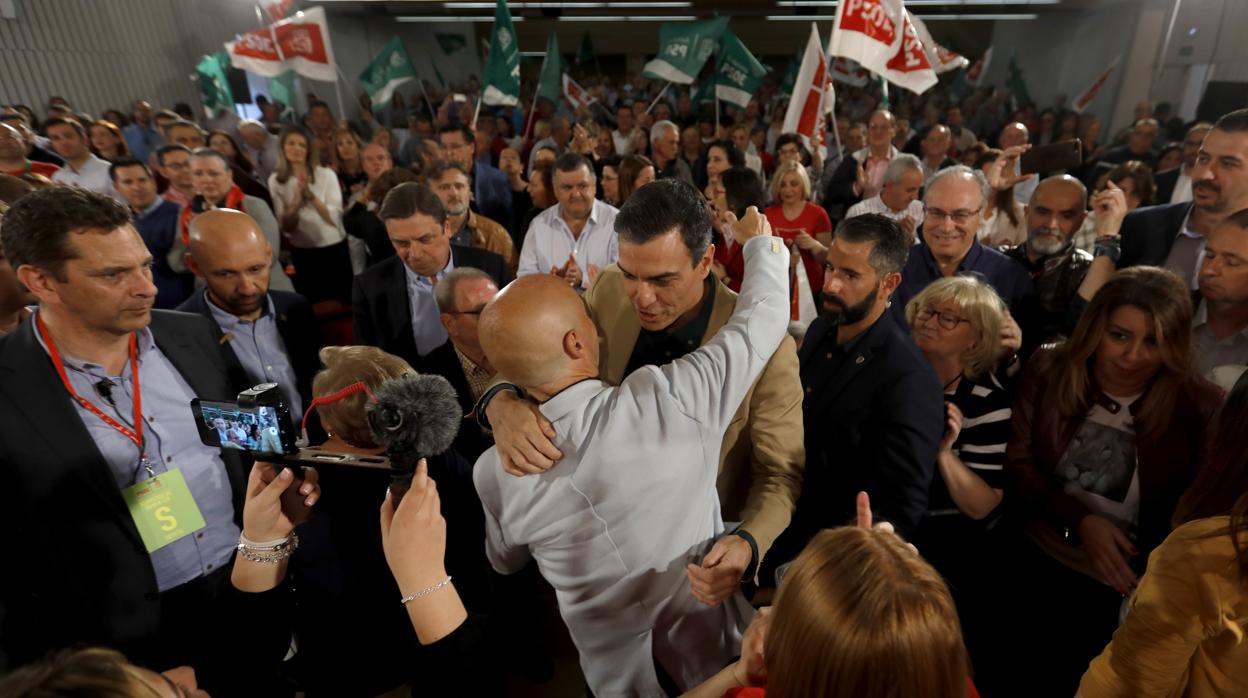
[956,323]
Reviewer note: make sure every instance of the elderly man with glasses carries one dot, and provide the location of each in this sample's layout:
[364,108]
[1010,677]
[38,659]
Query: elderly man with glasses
[952,207]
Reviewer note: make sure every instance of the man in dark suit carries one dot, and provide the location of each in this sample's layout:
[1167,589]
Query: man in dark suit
[1173,235]
[491,188]
[394,305]
[461,295]
[265,336]
[873,409]
[1175,186]
[90,562]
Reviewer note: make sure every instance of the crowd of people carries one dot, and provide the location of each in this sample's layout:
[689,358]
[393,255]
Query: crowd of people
[1006,458]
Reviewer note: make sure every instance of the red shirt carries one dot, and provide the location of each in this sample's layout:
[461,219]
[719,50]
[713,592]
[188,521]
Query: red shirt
[813,221]
[40,168]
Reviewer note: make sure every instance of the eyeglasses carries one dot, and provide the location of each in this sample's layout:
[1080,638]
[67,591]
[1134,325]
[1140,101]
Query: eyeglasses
[961,217]
[949,321]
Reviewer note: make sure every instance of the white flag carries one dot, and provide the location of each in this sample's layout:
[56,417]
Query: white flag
[300,43]
[575,94]
[881,36]
[1082,101]
[942,59]
[811,99]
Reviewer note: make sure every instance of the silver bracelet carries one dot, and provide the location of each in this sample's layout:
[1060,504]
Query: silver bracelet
[425,592]
[268,554]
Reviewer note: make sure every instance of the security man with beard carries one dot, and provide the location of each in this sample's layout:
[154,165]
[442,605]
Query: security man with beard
[873,409]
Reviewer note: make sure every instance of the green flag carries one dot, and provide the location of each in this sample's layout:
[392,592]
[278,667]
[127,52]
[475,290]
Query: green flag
[1015,83]
[502,71]
[705,92]
[282,89]
[790,75]
[550,81]
[586,53]
[214,87]
[684,48]
[390,68]
[737,72]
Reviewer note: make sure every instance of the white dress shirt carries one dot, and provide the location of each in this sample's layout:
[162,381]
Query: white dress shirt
[1182,188]
[312,230]
[914,210]
[633,501]
[549,242]
[93,176]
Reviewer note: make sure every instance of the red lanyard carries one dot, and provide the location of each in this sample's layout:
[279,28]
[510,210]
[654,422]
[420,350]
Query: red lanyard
[135,434]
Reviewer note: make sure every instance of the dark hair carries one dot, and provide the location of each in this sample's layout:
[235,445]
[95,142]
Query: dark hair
[167,148]
[743,188]
[127,162]
[240,157]
[441,167]
[391,178]
[630,167]
[1170,147]
[184,110]
[1221,485]
[1239,219]
[1233,122]
[1137,171]
[661,207]
[210,153]
[571,162]
[787,138]
[123,148]
[64,121]
[36,229]
[889,244]
[185,123]
[409,199]
[469,137]
[317,103]
[735,157]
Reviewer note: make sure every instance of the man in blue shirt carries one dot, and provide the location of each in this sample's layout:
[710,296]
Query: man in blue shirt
[156,219]
[142,137]
[953,205]
[491,189]
[78,454]
[265,335]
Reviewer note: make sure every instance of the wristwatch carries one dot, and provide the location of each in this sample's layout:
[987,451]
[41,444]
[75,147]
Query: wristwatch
[1108,247]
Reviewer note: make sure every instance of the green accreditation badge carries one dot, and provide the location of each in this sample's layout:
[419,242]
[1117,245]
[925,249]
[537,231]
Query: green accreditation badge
[163,509]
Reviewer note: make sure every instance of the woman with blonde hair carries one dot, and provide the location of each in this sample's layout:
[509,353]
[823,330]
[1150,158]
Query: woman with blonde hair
[857,614]
[348,162]
[956,323]
[798,221]
[308,203]
[96,672]
[1107,432]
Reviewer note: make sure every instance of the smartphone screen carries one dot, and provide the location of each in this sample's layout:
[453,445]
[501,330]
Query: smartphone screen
[226,425]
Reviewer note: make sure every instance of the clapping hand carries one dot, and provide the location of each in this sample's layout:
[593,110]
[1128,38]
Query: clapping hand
[570,272]
[996,172]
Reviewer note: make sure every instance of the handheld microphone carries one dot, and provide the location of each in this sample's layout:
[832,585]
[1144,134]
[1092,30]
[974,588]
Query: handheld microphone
[414,416]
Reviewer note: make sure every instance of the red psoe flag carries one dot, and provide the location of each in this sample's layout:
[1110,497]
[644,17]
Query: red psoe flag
[881,36]
[576,95]
[1082,101]
[811,91]
[300,43]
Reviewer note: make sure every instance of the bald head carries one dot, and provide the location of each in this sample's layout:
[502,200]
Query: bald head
[229,252]
[1013,134]
[537,332]
[1055,212]
[1065,186]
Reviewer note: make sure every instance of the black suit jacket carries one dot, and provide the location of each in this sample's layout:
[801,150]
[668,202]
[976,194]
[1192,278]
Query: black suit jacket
[297,326]
[1166,181]
[1148,234]
[471,441]
[839,190]
[383,316]
[75,567]
[875,427]
[365,225]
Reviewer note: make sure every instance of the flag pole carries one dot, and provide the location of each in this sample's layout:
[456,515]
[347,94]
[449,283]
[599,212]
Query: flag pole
[476,112]
[433,113]
[717,115]
[656,99]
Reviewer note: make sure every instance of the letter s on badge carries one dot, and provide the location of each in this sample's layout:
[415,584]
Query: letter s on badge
[167,522]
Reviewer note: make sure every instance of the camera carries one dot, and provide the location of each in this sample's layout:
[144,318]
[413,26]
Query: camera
[259,423]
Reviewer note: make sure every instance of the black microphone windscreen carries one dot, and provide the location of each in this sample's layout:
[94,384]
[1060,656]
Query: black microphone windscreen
[415,415]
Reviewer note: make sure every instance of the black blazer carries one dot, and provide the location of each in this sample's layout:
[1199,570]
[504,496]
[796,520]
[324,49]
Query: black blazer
[297,326]
[1166,181]
[875,427]
[839,190]
[471,441]
[1148,233]
[383,317]
[76,570]
[362,223]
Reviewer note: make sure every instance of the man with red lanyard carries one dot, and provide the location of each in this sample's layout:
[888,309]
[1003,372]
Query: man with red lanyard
[120,527]
[13,160]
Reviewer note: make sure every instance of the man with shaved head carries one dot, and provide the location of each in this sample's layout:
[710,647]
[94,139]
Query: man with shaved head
[615,525]
[265,335]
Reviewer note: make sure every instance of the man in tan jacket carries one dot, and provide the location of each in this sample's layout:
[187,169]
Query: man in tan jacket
[658,304]
[450,181]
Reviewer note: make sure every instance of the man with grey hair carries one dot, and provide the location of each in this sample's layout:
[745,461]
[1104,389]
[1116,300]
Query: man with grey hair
[898,200]
[460,296]
[1139,145]
[665,152]
[260,146]
[953,206]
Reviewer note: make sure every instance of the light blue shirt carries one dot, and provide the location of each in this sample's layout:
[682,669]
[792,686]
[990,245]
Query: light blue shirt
[549,242]
[427,327]
[171,439]
[142,141]
[259,348]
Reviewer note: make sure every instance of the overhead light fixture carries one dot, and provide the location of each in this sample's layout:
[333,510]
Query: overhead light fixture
[447,19]
[622,18]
